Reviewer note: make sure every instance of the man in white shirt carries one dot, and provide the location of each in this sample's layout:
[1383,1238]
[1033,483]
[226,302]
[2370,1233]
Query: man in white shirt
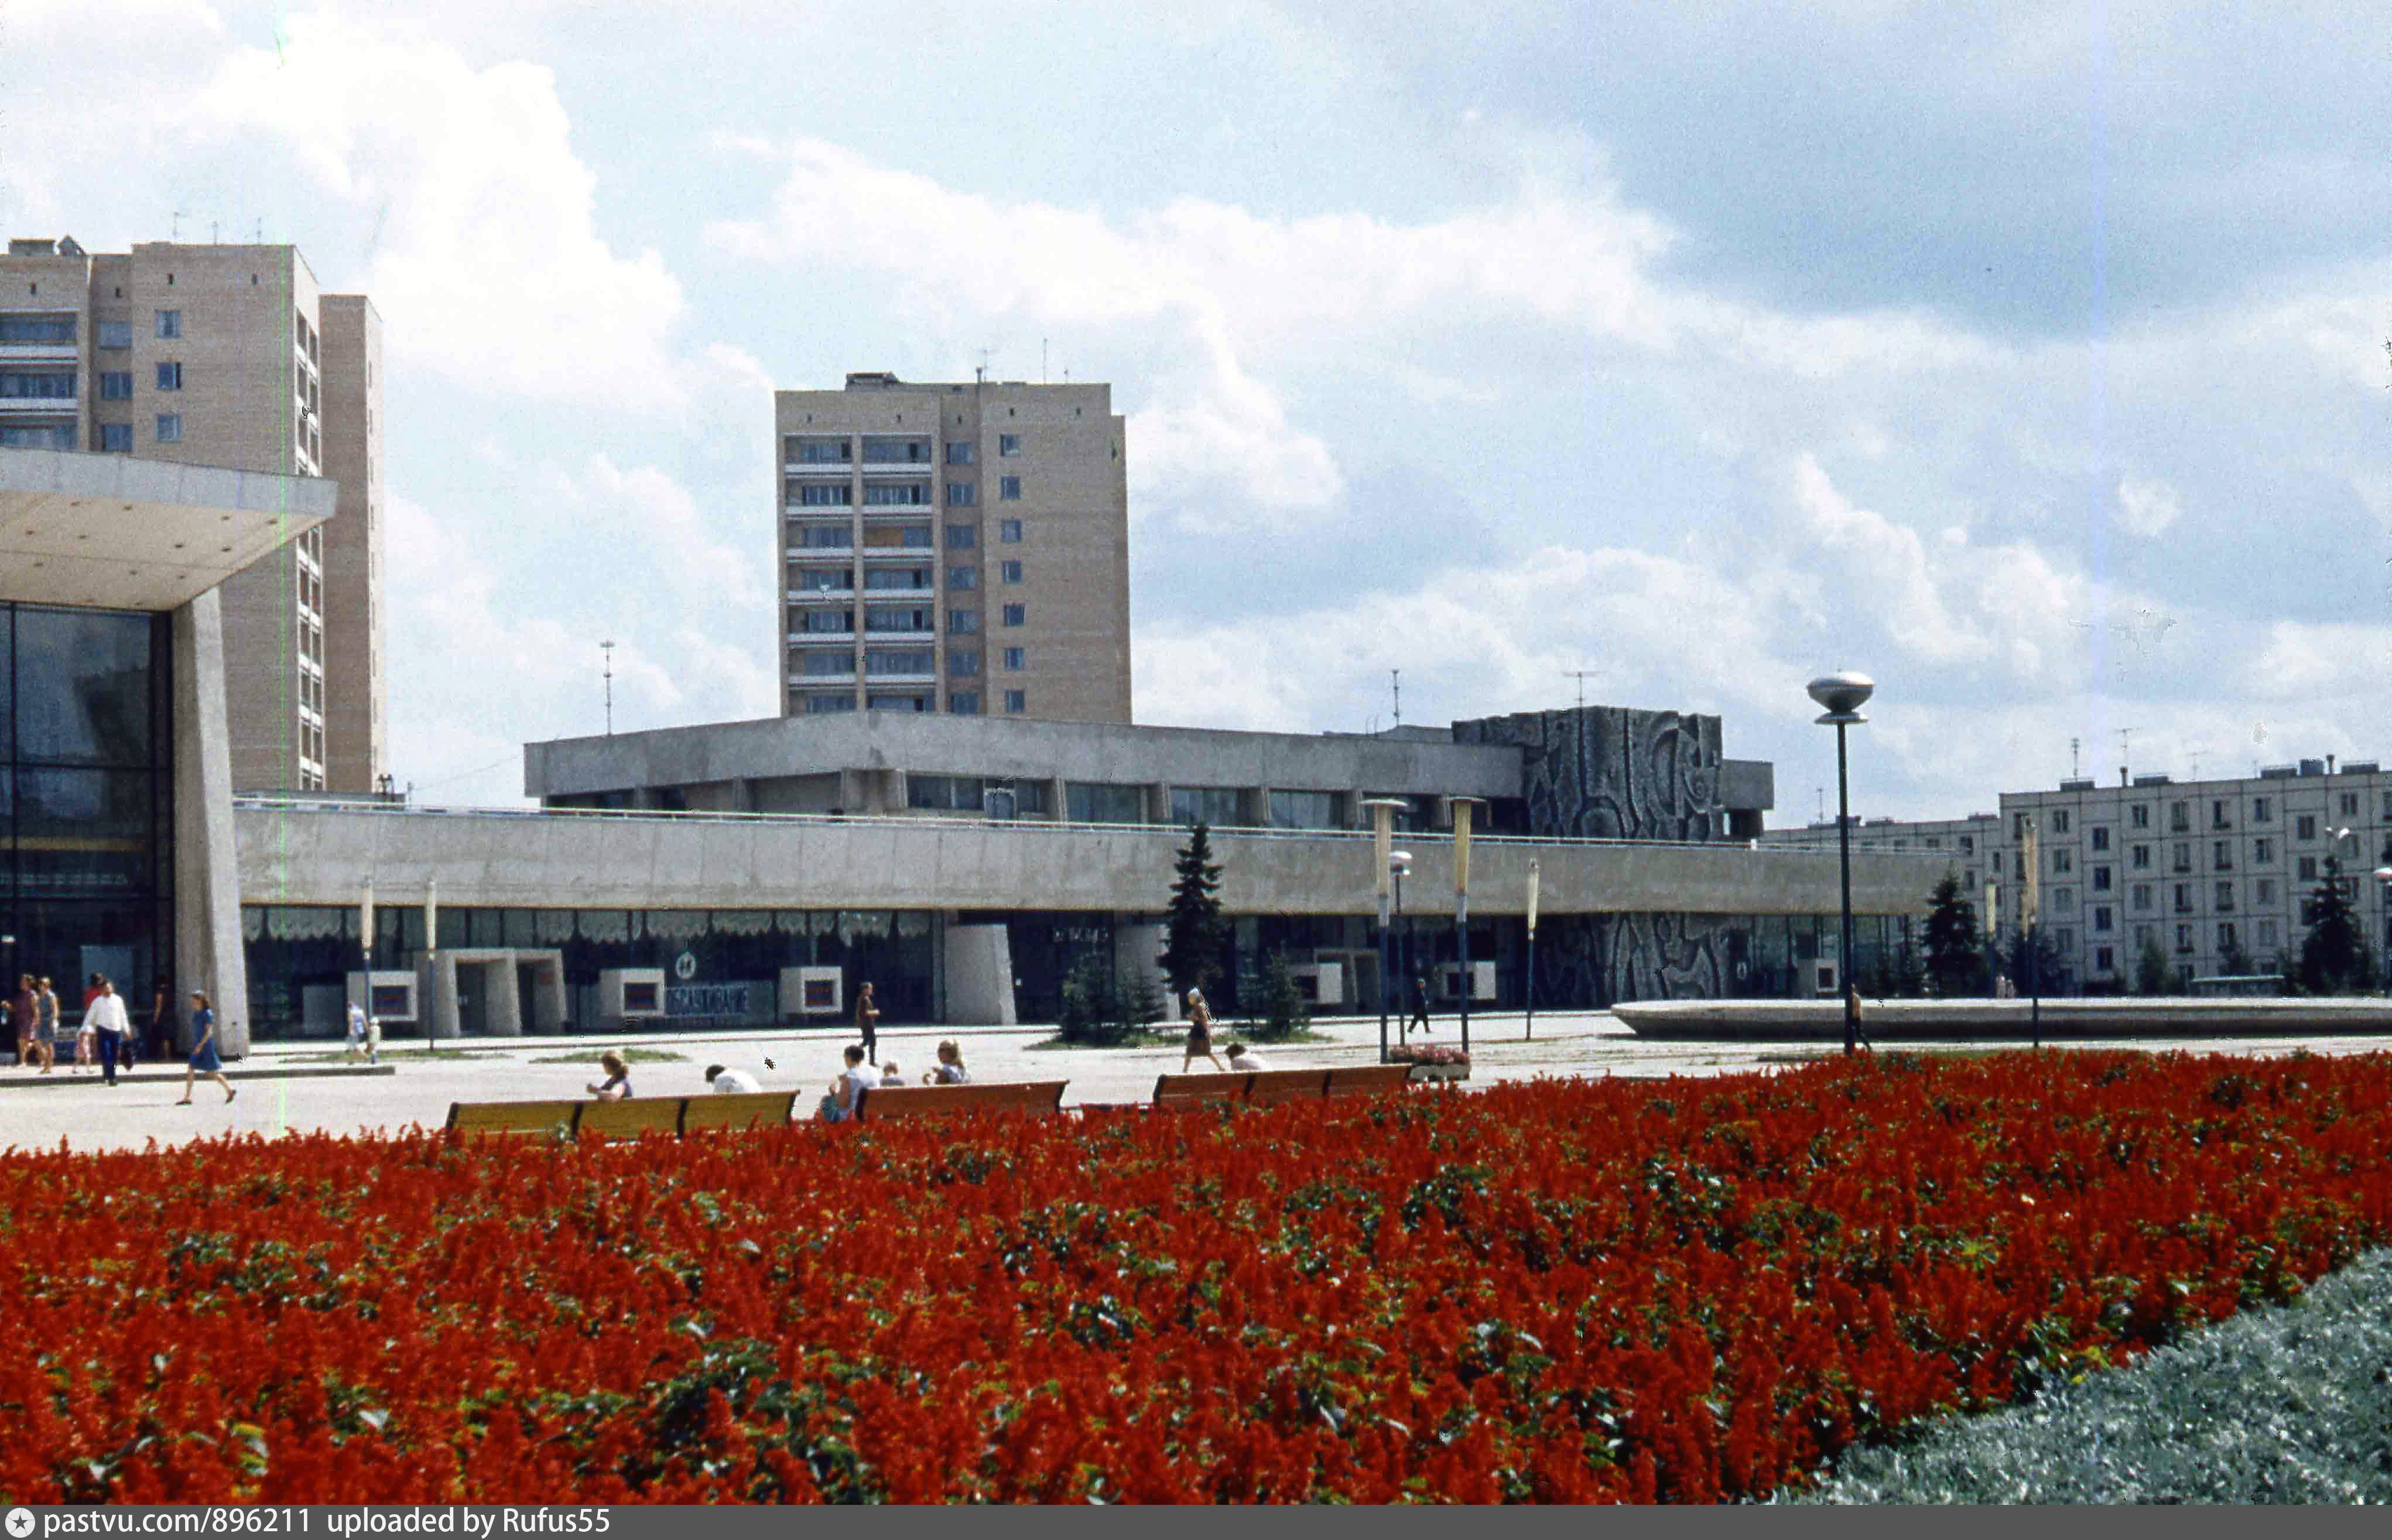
[105,1016]
[1245,1061]
[731,1082]
[850,1086]
[357,1030]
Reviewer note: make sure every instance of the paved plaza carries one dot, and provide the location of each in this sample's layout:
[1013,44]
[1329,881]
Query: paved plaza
[297,1088]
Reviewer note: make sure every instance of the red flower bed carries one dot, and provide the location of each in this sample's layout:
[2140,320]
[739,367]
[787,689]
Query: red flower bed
[1563,1291]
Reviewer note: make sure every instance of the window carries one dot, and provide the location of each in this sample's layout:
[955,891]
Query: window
[896,618]
[2184,898]
[116,333]
[1102,802]
[2064,900]
[1013,615]
[963,702]
[826,495]
[2221,855]
[2263,892]
[900,494]
[170,427]
[2102,917]
[2101,838]
[824,622]
[170,323]
[1008,489]
[962,494]
[1008,445]
[2062,861]
[840,537]
[963,622]
[2140,896]
[47,436]
[170,376]
[2267,932]
[819,705]
[897,579]
[2226,935]
[822,664]
[2139,857]
[2387,807]
[116,384]
[896,452]
[2060,820]
[2100,878]
[116,437]
[2184,938]
[2262,851]
[2019,859]
[1009,531]
[2225,895]
[2140,815]
[1016,701]
[963,577]
[2305,827]
[963,665]
[962,537]
[1010,572]
[2180,817]
[1217,805]
[2308,869]
[886,662]
[2018,826]
[2065,938]
[1967,845]
[2218,818]
[1302,810]
[47,386]
[2350,804]
[1013,659]
[962,452]
[819,451]
[2259,810]
[2105,959]
[2183,856]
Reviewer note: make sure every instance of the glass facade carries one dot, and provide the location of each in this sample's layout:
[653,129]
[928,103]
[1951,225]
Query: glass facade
[86,787]
[300,955]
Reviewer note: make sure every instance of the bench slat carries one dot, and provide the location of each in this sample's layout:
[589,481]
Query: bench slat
[1198,1091]
[1363,1080]
[746,1110]
[514,1117]
[630,1117]
[1270,1086]
[884,1103]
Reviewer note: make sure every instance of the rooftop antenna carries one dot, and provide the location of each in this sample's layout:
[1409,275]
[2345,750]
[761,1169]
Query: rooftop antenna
[2073,771]
[1397,677]
[1042,361]
[2194,754]
[174,226]
[259,238]
[212,232]
[1581,675]
[2125,735]
[979,374]
[1823,803]
[608,650]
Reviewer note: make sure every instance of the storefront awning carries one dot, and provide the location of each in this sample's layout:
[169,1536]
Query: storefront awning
[111,531]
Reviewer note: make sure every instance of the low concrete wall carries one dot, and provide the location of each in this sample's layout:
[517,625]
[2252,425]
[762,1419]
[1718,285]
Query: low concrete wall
[1806,1021]
[567,861]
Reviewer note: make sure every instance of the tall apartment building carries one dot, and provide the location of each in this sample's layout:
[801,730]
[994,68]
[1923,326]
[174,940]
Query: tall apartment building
[2203,870]
[960,548]
[228,356]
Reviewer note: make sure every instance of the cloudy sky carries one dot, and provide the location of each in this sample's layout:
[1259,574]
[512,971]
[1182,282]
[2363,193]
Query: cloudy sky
[2032,363]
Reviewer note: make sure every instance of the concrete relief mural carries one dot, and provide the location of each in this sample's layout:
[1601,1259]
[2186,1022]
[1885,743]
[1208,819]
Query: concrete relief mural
[1607,772]
[1592,960]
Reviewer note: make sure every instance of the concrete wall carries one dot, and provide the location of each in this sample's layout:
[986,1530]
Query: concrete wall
[959,746]
[357,750]
[563,860]
[979,975]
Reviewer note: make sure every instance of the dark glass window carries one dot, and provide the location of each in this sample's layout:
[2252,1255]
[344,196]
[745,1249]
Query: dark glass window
[83,687]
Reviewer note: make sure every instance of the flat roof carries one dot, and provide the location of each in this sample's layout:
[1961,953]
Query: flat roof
[112,533]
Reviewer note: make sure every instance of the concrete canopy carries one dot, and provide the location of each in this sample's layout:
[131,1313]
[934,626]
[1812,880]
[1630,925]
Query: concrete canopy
[111,531]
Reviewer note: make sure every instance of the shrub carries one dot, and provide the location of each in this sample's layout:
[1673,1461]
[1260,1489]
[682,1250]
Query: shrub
[1284,1010]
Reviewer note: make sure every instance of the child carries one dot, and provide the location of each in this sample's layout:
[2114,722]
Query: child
[891,1075]
[951,1070]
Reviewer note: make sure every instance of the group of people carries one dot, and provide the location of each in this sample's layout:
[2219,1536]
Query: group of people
[105,1040]
[1242,1060]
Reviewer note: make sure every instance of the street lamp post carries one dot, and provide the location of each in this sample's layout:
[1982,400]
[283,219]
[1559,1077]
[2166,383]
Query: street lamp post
[1466,811]
[1993,952]
[1399,863]
[2383,876]
[1383,821]
[2031,922]
[1842,695]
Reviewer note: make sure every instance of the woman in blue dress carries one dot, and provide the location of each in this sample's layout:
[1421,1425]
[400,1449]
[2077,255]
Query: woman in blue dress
[204,1059]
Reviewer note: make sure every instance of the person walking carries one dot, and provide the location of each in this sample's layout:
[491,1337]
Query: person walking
[162,1027]
[48,1002]
[105,1017]
[86,1031]
[1420,1005]
[356,1033]
[1200,1034]
[204,1059]
[867,1020]
[25,1012]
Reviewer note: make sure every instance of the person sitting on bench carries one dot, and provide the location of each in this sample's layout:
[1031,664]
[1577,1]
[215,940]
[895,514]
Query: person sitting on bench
[731,1082]
[1243,1060]
[618,1084]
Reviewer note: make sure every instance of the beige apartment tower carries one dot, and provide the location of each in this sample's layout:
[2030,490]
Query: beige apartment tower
[960,548]
[228,356]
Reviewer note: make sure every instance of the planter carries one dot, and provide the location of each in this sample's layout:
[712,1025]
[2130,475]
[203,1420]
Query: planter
[1440,1071]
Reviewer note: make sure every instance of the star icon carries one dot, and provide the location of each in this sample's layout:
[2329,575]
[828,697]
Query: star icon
[20,1523]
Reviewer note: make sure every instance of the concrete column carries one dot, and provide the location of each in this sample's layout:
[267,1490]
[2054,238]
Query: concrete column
[440,991]
[980,975]
[1137,954]
[506,1013]
[207,944]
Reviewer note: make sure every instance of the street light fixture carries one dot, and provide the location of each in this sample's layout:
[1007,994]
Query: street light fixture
[1534,874]
[1399,863]
[1842,697]
[1383,821]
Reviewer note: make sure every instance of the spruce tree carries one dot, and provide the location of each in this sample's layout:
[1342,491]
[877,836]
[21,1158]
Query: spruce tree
[1198,933]
[1955,957]
[2333,956]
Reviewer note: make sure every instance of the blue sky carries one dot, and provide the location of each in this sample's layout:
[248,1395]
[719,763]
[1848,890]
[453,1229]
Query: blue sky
[2029,358]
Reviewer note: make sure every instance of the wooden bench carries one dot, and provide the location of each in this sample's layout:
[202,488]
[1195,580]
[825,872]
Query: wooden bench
[883,1103]
[1368,1080]
[746,1110]
[630,1117]
[1179,1092]
[1269,1087]
[518,1118]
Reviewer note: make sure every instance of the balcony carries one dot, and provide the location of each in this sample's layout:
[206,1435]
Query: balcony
[822,595]
[923,594]
[40,352]
[38,406]
[840,468]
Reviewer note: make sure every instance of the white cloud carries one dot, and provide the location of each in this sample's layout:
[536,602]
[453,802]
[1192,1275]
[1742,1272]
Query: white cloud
[486,261]
[2147,507]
